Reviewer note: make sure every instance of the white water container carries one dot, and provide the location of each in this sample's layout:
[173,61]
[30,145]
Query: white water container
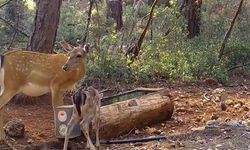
[62,117]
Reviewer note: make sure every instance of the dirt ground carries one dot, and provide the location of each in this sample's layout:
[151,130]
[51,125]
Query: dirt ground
[190,127]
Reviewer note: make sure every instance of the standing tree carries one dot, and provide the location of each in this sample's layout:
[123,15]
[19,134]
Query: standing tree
[191,10]
[45,26]
[115,11]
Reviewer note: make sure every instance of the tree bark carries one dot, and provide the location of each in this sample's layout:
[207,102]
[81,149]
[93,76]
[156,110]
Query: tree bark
[115,11]
[193,15]
[45,26]
[167,3]
[122,117]
[229,31]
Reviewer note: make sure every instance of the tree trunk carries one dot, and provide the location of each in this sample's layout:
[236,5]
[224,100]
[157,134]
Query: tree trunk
[150,2]
[167,3]
[191,9]
[120,118]
[115,12]
[45,26]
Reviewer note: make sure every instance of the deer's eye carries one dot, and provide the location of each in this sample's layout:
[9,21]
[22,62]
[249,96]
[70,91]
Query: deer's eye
[78,56]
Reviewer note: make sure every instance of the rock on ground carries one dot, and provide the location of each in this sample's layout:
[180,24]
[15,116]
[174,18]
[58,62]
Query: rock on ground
[14,128]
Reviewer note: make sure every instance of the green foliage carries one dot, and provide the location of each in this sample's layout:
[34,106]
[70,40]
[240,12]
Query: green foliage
[18,14]
[167,53]
[170,55]
[71,26]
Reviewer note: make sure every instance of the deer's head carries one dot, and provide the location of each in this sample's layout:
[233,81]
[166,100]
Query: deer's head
[76,56]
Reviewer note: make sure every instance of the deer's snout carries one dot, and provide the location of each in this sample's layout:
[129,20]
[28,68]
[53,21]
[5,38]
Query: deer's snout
[65,67]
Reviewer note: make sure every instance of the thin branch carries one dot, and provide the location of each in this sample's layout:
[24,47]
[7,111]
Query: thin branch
[15,32]
[5,3]
[229,31]
[84,39]
[238,66]
[147,25]
[12,26]
[135,48]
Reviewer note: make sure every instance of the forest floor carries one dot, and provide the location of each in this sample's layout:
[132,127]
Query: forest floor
[189,128]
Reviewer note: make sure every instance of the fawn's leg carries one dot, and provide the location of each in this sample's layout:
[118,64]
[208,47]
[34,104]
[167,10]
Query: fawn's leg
[96,127]
[85,129]
[74,119]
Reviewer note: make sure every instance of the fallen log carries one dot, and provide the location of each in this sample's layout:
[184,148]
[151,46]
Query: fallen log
[121,117]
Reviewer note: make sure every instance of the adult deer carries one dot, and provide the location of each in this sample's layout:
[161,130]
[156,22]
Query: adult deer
[35,74]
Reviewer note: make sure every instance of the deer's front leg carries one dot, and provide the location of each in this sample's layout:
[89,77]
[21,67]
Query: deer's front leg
[57,96]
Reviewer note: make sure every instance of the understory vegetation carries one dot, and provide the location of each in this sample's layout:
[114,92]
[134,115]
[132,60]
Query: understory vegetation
[167,53]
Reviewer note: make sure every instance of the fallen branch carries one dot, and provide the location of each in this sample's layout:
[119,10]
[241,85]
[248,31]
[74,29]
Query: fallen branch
[12,26]
[229,31]
[143,139]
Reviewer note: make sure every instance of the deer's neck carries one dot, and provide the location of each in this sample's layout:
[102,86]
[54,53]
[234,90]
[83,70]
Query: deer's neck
[80,71]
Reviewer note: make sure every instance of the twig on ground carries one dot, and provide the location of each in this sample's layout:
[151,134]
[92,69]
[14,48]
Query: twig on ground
[209,99]
[134,140]
[126,135]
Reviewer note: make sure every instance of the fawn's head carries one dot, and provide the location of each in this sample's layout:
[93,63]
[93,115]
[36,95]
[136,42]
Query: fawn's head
[94,93]
[76,56]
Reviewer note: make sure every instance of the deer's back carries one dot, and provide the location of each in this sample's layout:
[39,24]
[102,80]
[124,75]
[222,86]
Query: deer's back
[37,68]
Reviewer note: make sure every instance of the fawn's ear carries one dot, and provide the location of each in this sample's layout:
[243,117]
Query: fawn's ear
[66,46]
[86,48]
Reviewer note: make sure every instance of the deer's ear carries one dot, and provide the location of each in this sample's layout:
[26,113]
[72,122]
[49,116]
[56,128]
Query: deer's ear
[67,47]
[86,48]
